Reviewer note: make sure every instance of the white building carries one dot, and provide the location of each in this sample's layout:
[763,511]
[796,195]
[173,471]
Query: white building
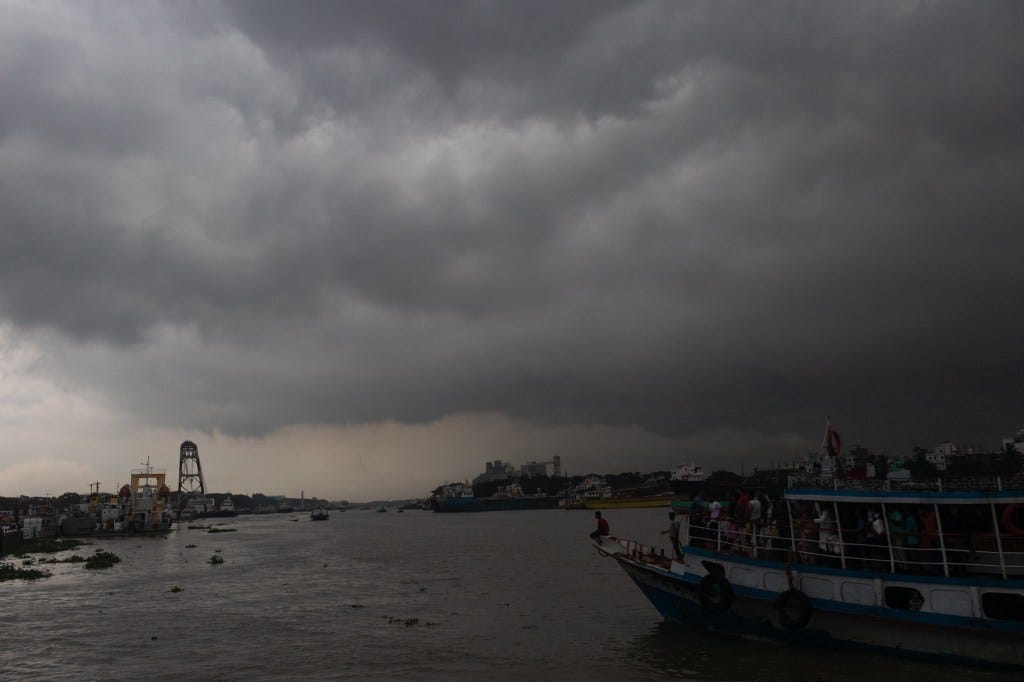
[941,455]
[1017,442]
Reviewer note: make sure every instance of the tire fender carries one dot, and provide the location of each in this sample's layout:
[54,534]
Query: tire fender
[715,593]
[794,609]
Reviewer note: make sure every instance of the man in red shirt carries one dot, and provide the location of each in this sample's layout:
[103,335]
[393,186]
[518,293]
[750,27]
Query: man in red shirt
[602,528]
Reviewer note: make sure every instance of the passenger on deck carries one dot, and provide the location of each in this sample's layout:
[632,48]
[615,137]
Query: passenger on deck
[602,529]
[879,539]
[914,555]
[755,524]
[898,539]
[714,517]
[929,539]
[828,539]
[673,535]
[804,527]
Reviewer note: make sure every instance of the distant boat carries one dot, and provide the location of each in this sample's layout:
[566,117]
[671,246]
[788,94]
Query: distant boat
[458,497]
[631,502]
[688,479]
[319,514]
[227,508]
[595,493]
[382,509]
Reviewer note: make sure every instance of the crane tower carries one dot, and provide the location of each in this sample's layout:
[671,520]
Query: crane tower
[191,486]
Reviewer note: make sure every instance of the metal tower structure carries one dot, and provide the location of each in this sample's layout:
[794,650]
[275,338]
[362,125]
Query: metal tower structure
[191,485]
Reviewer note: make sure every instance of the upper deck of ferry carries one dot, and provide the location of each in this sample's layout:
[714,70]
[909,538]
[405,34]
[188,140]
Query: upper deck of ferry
[957,528]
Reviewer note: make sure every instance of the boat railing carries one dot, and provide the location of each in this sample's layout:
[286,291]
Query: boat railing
[963,555]
[960,483]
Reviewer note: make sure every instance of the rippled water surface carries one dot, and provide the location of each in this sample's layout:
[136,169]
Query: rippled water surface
[369,595]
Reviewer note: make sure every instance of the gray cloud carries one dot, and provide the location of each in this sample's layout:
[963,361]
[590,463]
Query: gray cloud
[691,218]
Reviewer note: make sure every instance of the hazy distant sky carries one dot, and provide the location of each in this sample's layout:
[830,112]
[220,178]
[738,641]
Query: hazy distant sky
[360,248]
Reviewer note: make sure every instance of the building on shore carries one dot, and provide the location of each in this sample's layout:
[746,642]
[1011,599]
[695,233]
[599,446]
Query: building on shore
[500,471]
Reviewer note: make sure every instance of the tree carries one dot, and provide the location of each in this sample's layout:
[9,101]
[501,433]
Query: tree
[919,466]
[881,466]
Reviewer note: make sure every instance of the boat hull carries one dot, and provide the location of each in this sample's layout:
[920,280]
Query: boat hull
[630,502]
[677,598]
[480,504]
[82,525]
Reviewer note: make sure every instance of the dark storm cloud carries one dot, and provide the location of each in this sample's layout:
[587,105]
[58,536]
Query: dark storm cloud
[686,217]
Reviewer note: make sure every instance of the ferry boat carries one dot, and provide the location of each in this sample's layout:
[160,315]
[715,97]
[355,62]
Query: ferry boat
[41,521]
[226,509]
[932,570]
[652,493]
[458,497]
[688,479]
[319,514]
[100,513]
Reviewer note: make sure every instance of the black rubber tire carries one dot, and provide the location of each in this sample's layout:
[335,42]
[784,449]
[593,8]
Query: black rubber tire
[715,593]
[794,609]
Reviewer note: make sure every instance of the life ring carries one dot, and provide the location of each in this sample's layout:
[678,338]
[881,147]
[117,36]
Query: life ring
[715,593]
[833,442]
[794,609]
[1008,520]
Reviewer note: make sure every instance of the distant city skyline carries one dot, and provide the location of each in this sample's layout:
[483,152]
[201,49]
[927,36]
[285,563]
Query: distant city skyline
[360,248]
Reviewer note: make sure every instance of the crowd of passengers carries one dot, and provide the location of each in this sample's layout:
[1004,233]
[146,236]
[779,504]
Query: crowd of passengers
[766,527]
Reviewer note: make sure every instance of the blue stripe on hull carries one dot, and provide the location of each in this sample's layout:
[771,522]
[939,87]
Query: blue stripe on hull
[755,622]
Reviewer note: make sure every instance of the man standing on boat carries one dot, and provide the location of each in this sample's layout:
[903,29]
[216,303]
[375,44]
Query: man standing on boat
[602,529]
[754,505]
[673,534]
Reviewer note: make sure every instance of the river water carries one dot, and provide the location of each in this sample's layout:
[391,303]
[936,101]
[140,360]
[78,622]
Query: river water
[369,595]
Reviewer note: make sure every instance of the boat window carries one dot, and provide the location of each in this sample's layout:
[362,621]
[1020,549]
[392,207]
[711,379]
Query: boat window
[1003,606]
[905,598]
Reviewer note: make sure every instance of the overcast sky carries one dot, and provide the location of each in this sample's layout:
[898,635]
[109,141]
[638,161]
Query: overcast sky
[357,249]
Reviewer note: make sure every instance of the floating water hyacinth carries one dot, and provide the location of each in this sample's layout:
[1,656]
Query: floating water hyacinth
[12,572]
[102,559]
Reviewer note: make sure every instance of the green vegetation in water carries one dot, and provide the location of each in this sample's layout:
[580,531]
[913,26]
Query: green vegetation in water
[222,530]
[101,559]
[216,559]
[12,572]
[49,546]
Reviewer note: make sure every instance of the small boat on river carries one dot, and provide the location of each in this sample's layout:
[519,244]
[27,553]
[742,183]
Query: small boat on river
[319,514]
[931,570]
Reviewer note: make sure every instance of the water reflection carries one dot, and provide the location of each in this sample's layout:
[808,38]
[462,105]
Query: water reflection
[694,653]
